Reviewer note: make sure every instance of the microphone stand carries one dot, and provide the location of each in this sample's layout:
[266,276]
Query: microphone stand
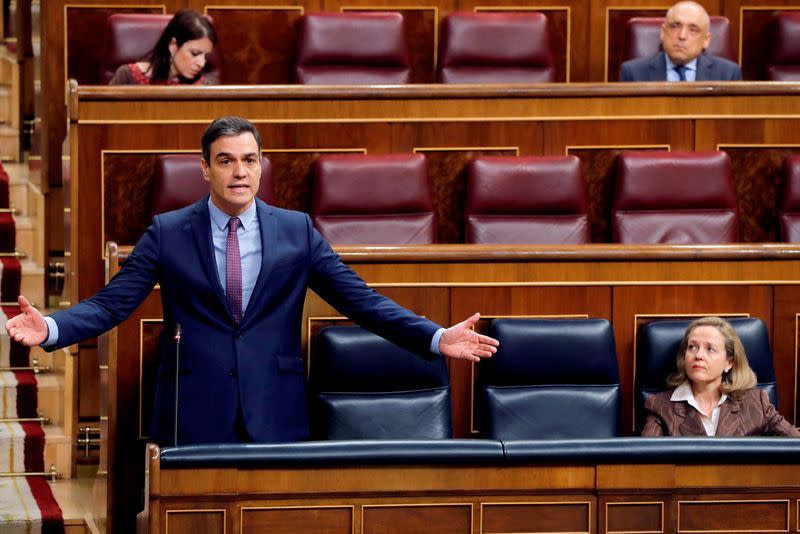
[177,374]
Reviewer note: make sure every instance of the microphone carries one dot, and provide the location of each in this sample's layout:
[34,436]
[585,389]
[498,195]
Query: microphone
[177,375]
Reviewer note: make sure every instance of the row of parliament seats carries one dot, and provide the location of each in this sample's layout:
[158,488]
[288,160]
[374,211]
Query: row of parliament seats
[473,47]
[659,197]
[550,379]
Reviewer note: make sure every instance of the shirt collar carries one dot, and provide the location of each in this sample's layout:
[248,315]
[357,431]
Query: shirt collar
[684,393]
[692,65]
[220,218]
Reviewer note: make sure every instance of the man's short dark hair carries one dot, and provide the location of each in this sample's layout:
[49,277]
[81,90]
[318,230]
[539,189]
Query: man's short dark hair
[227,127]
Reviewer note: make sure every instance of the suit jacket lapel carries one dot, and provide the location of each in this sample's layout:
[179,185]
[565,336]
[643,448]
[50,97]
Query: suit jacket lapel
[704,68]
[268,228]
[687,420]
[201,230]
[658,68]
[730,420]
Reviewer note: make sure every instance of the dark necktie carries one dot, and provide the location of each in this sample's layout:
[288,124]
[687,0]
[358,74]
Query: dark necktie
[233,270]
[681,70]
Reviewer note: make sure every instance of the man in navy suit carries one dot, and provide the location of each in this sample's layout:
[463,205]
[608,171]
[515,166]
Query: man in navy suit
[233,273]
[684,37]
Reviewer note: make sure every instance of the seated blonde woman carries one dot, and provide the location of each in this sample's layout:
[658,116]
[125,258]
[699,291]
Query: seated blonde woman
[713,391]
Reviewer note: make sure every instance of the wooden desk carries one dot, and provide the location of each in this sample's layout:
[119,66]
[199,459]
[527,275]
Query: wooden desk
[629,286]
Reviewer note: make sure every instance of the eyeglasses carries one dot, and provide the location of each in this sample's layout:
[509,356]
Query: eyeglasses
[677,27]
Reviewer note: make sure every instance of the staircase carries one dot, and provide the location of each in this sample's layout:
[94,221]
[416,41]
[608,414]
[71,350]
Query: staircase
[50,385]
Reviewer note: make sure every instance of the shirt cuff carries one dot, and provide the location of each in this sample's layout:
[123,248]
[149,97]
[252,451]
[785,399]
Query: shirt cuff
[435,341]
[52,332]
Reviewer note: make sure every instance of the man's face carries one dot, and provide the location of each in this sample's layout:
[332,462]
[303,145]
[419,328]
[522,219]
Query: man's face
[684,34]
[233,172]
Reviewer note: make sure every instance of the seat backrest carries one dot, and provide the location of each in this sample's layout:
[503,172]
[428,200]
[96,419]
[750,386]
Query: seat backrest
[178,182]
[551,379]
[495,48]
[790,200]
[352,49]
[382,199]
[642,37]
[657,348]
[365,387]
[674,197]
[132,35]
[783,62]
[526,200]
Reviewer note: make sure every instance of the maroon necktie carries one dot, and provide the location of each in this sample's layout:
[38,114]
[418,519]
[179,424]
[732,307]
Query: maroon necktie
[233,270]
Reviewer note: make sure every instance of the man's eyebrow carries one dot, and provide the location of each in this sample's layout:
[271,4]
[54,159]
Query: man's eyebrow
[230,156]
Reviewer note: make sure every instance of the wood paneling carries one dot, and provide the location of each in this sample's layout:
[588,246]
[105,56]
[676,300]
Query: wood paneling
[405,519]
[634,517]
[538,517]
[733,515]
[297,520]
[192,521]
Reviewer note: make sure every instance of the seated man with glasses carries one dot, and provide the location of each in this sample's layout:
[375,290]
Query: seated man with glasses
[684,38]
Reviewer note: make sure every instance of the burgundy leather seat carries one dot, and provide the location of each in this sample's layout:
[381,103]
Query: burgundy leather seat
[674,197]
[178,182]
[526,200]
[783,63]
[642,37]
[352,49]
[384,199]
[132,35]
[790,200]
[495,48]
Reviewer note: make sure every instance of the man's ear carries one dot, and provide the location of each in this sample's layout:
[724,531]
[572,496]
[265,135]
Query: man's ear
[204,169]
[707,41]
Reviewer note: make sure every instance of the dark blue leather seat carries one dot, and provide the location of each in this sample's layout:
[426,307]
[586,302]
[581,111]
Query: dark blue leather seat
[551,379]
[368,388]
[657,349]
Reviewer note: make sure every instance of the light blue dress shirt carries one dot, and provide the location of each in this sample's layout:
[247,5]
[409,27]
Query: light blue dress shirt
[690,74]
[249,234]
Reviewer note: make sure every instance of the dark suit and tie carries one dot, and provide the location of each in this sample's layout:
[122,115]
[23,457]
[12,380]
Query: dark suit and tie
[654,69]
[233,273]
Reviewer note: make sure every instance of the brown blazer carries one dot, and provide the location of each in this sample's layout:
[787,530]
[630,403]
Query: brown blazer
[753,415]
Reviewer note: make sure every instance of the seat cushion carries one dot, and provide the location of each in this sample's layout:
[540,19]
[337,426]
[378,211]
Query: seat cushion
[495,48]
[526,200]
[331,49]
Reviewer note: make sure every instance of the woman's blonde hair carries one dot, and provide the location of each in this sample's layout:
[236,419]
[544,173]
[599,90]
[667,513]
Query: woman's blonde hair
[739,378]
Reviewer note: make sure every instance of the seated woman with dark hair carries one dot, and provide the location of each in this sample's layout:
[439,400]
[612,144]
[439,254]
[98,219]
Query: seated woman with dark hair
[179,56]
[713,391]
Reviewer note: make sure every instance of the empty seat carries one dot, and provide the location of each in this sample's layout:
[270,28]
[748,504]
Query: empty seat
[783,62]
[178,182]
[790,200]
[551,379]
[365,387]
[383,199]
[657,350]
[526,200]
[132,35]
[495,48]
[643,38]
[674,197]
[352,49]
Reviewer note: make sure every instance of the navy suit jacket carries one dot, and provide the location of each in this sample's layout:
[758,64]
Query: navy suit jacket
[654,69]
[257,364]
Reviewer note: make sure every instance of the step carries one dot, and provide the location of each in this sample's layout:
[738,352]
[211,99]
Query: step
[51,397]
[55,359]
[6,101]
[33,282]
[74,496]
[9,143]
[58,450]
